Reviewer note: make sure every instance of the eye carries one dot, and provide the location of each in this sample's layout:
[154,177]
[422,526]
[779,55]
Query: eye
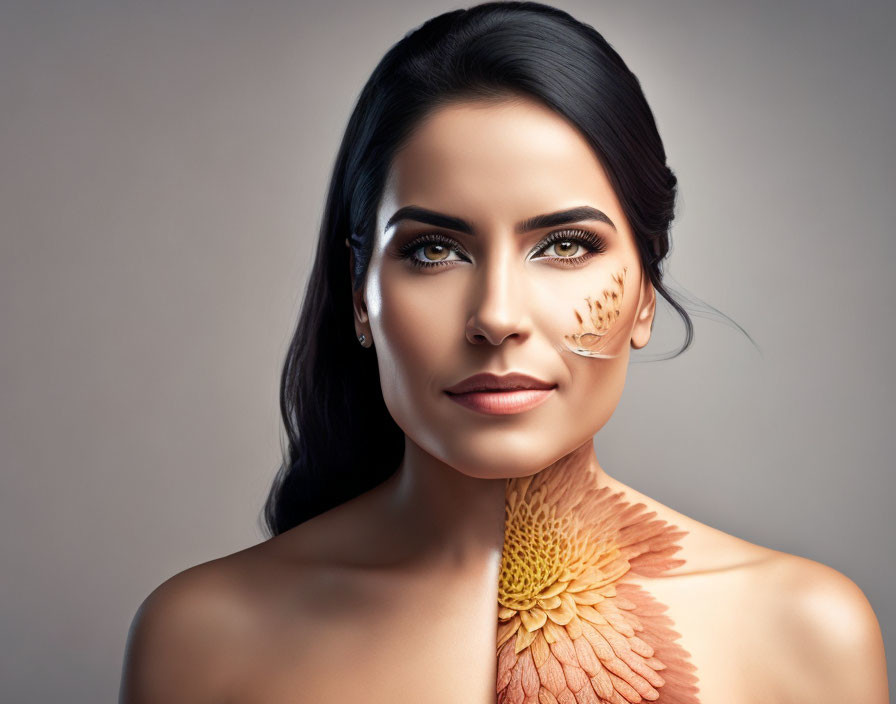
[569,246]
[430,250]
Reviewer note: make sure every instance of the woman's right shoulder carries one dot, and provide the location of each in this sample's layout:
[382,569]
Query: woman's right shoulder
[189,637]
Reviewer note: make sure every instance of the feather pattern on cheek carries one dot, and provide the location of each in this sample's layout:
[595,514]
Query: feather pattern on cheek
[591,338]
[570,629]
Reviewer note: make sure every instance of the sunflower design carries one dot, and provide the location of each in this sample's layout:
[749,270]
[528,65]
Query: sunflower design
[601,315]
[570,629]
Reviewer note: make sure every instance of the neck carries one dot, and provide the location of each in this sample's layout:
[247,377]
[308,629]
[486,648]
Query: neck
[453,518]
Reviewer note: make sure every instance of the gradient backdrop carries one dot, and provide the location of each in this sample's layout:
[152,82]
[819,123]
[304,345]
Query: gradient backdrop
[162,175]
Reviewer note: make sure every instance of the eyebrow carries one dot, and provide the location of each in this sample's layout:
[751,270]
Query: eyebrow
[537,222]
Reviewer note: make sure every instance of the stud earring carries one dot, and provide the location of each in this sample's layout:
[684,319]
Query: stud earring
[361,339]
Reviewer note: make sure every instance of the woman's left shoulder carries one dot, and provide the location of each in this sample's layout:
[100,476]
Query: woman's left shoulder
[822,628]
[808,630]
[825,604]
[821,602]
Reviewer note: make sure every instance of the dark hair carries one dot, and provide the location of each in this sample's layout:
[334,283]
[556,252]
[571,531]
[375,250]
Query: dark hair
[342,440]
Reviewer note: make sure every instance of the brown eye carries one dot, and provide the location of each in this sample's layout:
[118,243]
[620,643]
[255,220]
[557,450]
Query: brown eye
[565,248]
[430,250]
[571,247]
[435,252]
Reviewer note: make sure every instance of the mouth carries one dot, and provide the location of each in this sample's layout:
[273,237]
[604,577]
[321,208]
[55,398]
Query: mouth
[500,395]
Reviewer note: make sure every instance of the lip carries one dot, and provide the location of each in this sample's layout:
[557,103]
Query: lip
[486,381]
[500,395]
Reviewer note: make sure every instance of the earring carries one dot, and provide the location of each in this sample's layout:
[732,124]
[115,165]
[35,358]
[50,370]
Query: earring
[361,339]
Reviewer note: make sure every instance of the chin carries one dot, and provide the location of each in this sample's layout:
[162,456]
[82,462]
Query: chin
[503,457]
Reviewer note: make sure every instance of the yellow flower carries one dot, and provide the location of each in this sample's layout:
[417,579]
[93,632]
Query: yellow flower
[569,628]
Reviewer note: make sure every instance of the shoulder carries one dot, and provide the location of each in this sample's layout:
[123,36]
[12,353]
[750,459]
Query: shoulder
[188,637]
[801,628]
[824,633]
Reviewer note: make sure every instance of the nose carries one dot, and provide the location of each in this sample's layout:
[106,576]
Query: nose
[498,306]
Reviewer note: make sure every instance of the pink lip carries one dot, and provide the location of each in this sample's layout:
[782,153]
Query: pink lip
[502,402]
[500,395]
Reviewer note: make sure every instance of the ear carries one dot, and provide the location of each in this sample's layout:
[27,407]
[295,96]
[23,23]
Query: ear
[358,302]
[644,317]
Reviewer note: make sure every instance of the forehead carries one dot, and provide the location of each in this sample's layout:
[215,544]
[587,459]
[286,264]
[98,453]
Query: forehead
[496,162]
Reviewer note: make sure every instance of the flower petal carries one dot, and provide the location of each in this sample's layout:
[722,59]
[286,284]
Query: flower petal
[591,596]
[506,660]
[561,615]
[589,613]
[540,650]
[533,619]
[554,589]
[552,602]
[506,631]
[574,628]
[523,639]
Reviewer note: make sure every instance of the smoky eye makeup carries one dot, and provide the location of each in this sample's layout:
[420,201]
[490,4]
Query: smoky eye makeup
[584,242]
[440,246]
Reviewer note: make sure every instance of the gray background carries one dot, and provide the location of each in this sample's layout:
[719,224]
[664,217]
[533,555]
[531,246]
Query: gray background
[162,175]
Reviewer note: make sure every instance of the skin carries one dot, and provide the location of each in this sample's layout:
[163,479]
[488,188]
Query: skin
[601,316]
[392,595]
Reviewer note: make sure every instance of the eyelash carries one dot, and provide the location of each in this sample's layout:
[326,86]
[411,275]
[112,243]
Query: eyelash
[596,243]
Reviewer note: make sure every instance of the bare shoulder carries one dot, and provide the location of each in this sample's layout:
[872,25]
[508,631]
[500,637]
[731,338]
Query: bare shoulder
[805,631]
[188,638]
[828,636]
[809,631]
[200,635]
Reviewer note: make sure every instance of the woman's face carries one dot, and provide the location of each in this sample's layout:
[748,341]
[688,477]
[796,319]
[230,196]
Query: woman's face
[469,276]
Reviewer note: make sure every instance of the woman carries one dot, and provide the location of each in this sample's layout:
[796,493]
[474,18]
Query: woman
[490,253]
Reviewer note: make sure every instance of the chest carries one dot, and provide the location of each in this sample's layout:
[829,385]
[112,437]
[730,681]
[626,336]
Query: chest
[435,642]
[409,640]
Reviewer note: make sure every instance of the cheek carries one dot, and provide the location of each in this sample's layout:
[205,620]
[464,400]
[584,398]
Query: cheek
[597,320]
[589,313]
[588,321]
[413,327]
[419,352]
